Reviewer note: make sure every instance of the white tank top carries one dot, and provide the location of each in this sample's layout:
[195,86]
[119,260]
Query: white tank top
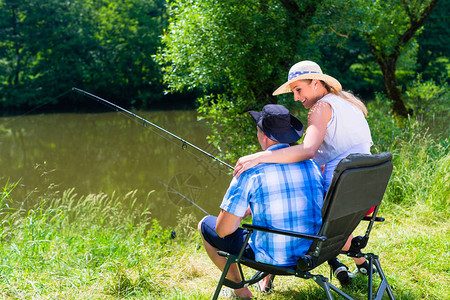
[347,128]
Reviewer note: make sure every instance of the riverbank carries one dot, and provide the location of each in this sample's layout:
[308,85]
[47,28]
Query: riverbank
[93,248]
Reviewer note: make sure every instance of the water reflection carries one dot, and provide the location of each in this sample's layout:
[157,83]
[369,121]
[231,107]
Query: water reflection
[110,153]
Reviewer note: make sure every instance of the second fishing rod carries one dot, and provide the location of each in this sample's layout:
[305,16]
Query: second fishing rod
[145,121]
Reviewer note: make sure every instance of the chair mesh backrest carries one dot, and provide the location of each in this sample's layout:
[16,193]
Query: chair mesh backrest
[359,182]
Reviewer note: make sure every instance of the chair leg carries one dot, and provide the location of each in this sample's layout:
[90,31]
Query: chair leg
[370,282]
[321,281]
[384,285]
[325,285]
[229,262]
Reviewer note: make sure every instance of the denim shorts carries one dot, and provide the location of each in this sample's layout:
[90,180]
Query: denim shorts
[231,243]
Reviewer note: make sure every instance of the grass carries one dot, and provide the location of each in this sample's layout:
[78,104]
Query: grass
[95,247]
[65,250]
[92,247]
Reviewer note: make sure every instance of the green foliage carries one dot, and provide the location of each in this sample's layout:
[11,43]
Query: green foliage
[433,41]
[234,50]
[389,29]
[421,159]
[37,36]
[237,53]
[227,46]
[233,131]
[421,172]
[240,49]
[385,128]
[382,23]
[128,33]
[427,97]
[47,47]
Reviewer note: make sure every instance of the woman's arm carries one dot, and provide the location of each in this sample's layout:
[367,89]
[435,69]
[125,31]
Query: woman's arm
[318,118]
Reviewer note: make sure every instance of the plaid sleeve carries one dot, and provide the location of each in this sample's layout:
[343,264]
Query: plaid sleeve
[238,195]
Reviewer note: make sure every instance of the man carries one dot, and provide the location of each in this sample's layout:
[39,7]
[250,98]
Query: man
[281,196]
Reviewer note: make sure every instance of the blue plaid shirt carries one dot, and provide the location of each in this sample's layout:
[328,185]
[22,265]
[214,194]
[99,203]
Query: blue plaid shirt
[281,196]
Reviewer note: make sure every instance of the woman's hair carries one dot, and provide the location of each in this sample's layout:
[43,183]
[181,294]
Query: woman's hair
[347,96]
[344,95]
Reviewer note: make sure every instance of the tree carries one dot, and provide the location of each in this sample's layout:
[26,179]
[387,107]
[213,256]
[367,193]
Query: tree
[433,43]
[104,46]
[128,34]
[236,53]
[388,28]
[43,44]
[13,49]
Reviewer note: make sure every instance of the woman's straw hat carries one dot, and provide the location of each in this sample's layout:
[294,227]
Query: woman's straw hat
[307,70]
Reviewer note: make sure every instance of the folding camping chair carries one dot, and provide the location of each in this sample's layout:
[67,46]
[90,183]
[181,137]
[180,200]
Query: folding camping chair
[358,184]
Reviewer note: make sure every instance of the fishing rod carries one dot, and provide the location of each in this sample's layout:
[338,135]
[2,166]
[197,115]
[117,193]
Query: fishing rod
[117,107]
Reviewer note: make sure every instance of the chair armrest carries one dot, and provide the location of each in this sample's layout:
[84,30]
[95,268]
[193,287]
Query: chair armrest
[377,219]
[285,232]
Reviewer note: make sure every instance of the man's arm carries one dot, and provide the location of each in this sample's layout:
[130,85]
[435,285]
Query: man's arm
[248,212]
[227,223]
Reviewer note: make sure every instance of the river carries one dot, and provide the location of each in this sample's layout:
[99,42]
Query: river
[113,154]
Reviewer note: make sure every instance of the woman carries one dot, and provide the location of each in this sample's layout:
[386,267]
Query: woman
[336,128]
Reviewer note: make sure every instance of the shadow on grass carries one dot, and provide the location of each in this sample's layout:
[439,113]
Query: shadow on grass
[357,290]
[309,292]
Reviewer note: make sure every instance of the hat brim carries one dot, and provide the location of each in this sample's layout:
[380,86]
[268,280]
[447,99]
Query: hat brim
[290,136]
[331,81]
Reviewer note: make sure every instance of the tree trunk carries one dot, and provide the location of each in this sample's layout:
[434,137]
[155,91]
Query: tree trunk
[388,62]
[388,66]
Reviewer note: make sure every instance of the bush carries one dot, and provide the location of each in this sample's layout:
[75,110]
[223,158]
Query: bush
[420,158]
[426,98]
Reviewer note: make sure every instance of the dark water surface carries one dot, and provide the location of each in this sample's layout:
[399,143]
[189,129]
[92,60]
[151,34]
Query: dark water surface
[110,153]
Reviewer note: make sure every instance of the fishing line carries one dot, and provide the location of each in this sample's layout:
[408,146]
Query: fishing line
[144,122]
[184,197]
[39,106]
[183,147]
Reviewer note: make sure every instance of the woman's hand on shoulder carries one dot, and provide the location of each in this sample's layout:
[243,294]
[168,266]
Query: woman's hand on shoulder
[246,162]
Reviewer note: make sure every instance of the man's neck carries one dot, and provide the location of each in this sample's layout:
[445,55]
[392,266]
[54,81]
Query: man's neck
[268,144]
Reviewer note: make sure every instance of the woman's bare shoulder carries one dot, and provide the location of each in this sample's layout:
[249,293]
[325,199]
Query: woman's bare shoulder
[320,112]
